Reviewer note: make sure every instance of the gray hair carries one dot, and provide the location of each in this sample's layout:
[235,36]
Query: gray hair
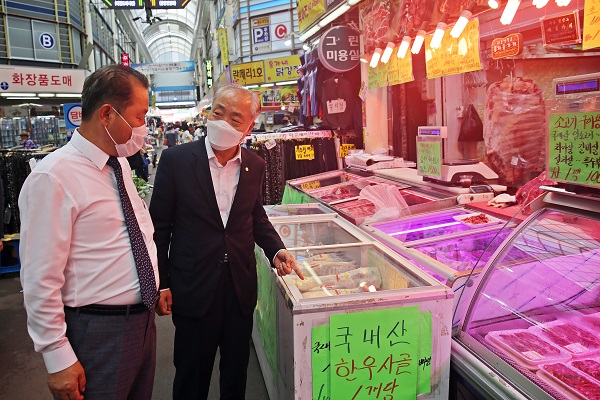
[234,89]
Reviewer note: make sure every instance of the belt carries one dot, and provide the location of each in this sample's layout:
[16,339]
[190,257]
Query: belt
[102,309]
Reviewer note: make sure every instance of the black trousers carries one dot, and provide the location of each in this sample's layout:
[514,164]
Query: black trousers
[196,342]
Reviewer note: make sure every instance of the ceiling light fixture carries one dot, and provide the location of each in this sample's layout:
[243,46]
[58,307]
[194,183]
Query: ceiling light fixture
[493,4]
[540,3]
[438,35]
[463,20]
[509,11]
[419,39]
[403,49]
[375,58]
[387,53]
[338,12]
[17,94]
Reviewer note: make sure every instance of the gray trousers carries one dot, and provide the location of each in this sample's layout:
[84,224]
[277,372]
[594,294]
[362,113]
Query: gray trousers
[118,353]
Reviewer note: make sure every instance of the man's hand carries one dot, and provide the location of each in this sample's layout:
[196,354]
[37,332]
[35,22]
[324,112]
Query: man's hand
[68,384]
[1,245]
[163,307]
[285,263]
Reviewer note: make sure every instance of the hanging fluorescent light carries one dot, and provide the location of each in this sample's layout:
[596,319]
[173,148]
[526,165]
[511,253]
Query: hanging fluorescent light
[309,33]
[403,49]
[562,3]
[509,11]
[17,94]
[305,47]
[463,20]
[493,4]
[23,98]
[286,83]
[334,15]
[288,40]
[364,59]
[68,94]
[45,94]
[353,2]
[540,3]
[438,35]
[387,53]
[419,39]
[375,58]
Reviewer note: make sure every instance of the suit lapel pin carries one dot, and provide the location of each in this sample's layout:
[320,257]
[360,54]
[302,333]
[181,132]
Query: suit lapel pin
[246,169]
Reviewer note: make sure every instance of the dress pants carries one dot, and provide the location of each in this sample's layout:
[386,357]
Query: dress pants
[117,352]
[196,342]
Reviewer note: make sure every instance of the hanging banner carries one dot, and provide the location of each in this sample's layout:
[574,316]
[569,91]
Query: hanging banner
[223,46]
[400,69]
[274,98]
[454,56]
[573,154]
[378,76]
[15,78]
[508,46]
[339,49]
[309,11]
[165,67]
[282,69]
[248,73]
[375,353]
[261,35]
[591,24]
[561,29]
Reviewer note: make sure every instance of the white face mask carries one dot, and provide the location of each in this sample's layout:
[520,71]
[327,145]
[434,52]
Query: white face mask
[135,142]
[221,135]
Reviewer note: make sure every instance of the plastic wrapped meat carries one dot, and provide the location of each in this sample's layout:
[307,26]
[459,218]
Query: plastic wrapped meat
[348,280]
[357,209]
[525,342]
[570,336]
[573,380]
[327,267]
[590,367]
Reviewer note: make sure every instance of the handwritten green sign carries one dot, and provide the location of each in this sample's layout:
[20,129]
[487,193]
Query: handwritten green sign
[320,362]
[429,156]
[265,313]
[374,354]
[573,154]
[424,362]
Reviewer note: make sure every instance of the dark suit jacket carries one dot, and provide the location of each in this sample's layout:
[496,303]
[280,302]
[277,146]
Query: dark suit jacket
[189,233]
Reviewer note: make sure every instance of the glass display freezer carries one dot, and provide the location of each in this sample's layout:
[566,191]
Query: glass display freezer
[342,278]
[531,326]
[298,210]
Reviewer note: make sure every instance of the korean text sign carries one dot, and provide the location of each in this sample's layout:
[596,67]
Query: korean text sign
[591,24]
[248,73]
[282,69]
[339,49]
[429,156]
[573,154]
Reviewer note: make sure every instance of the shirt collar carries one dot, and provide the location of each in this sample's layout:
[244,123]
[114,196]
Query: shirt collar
[89,150]
[211,153]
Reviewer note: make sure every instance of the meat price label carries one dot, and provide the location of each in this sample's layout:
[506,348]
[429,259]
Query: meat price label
[573,154]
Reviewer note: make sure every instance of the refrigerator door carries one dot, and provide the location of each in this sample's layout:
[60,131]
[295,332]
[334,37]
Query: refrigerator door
[535,315]
[317,231]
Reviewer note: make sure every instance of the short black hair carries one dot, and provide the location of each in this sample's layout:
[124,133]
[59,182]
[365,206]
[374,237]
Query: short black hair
[111,84]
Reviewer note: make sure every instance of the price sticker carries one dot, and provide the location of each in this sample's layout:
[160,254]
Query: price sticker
[305,152]
[269,144]
[310,185]
[345,149]
[336,106]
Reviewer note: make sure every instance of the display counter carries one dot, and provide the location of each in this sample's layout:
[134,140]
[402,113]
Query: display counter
[346,275]
[531,326]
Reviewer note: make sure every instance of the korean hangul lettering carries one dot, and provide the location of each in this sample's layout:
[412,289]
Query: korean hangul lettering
[353,40]
[566,147]
[354,55]
[345,334]
[343,55]
[591,161]
[67,80]
[395,367]
[593,120]
[588,147]
[564,159]
[397,333]
[372,336]
[279,71]
[30,78]
[368,364]
[43,80]
[330,41]
[75,115]
[343,371]
[17,79]
[55,80]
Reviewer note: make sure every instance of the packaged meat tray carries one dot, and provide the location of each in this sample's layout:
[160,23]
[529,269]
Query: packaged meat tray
[528,349]
[569,335]
[569,381]
[591,321]
[476,220]
[357,209]
[589,366]
[339,192]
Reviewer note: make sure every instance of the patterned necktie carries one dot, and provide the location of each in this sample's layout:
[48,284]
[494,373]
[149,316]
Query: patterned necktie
[143,263]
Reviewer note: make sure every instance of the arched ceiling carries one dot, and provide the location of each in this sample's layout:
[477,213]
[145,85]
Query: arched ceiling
[171,35]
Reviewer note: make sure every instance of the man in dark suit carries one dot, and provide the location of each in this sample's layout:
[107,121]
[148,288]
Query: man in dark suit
[208,213]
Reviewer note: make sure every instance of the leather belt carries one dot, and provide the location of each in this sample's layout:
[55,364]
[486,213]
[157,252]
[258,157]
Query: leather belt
[102,309]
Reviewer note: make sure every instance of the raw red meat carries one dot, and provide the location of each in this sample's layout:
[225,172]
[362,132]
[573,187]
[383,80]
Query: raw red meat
[526,341]
[529,191]
[565,334]
[375,25]
[590,367]
[573,380]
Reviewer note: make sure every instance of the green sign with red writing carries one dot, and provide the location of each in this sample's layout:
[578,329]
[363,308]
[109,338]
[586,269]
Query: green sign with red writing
[573,154]
[429,156]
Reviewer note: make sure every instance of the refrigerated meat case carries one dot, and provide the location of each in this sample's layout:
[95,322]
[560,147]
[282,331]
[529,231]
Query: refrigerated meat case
[531,327]
[452,245]
[293,211]
[340,190]
[349,272]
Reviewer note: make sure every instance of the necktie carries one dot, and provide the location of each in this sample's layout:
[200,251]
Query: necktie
[143,263]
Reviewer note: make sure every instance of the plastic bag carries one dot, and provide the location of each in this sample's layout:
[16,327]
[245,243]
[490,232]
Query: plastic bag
[471,129]
[388,202]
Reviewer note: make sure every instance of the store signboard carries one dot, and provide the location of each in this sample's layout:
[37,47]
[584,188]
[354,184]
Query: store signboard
[125,60]
[573,153]
[339,49]
[429,156]
[209,73]
[591,24]
[40,80]
[164,67]
[454,56]
[223,45]
[248,73]
[309,11]
[261,35]
[508,46]
[72,112]
[155,4]
[561,29]
[282,69]
[276,97]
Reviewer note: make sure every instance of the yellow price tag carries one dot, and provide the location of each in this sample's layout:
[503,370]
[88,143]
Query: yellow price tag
[305,152]
[310,185]
[345,149]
